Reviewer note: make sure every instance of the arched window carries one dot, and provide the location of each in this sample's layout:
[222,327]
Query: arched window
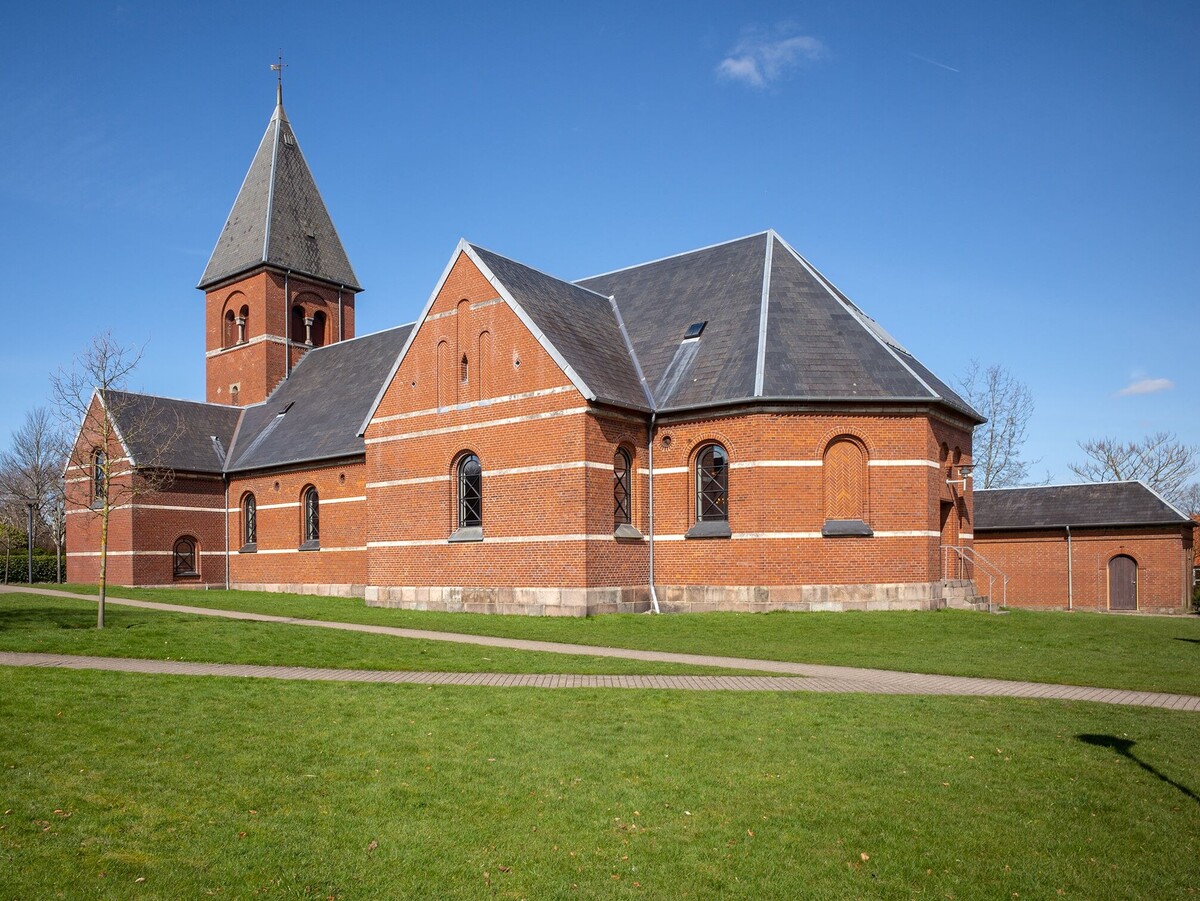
[243,324]
[312,517]
[712,484]
[183,557]
[99,480]
[249,521]
[470,493]
[299,334]
[229,337]
[844,471]
[464,370]
[622,496]
[318,329]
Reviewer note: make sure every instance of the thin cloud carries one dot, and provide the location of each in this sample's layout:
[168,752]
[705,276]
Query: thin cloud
[758,60]
[932,62]
[1146,386]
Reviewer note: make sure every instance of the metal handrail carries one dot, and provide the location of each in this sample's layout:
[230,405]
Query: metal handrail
[969,557]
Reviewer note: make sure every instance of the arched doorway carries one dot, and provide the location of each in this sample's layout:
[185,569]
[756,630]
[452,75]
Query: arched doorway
[1122,583]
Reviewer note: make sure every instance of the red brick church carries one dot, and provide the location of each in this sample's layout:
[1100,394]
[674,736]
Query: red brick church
[717,429]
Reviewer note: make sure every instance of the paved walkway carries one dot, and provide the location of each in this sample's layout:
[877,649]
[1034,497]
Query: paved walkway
[814,677]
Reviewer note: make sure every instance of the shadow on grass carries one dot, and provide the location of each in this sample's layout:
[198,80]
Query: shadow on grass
[1124,747]
[1188,640]
[40,617]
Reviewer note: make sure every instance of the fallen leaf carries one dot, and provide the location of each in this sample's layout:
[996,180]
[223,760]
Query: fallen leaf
[373,845]
[865,856]
[140,879]
[504,869]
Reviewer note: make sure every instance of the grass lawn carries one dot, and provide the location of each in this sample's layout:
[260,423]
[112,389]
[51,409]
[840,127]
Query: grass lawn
[1149,653]
[126,786]
[30,622]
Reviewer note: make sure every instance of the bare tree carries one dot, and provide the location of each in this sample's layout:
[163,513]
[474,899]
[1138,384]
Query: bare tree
[103,473]
[31,469]
[998,444]
[1160,460]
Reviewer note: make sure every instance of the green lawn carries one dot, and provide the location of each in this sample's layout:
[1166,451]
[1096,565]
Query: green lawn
[1148,653]
[30,622]
[128,786]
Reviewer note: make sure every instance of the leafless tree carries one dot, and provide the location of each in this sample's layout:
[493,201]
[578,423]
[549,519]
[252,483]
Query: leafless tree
[1189,499]
[1160,460]
[998,444]
[31,469]
[101,472]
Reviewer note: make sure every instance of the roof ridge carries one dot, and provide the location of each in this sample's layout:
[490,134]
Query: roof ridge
[178,400]
[271,184]
[760,364]
[1065,485]
[673,256]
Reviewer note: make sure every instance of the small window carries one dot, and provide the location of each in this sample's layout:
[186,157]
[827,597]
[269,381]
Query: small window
[470,493]
[312,518]
[184,558]
[712,484]
[250,521]
[318,329]
[230,336]
[622,507]
[99,478]
[299,333]
[464,369]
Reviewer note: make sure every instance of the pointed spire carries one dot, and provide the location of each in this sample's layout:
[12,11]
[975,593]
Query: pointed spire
[279,218]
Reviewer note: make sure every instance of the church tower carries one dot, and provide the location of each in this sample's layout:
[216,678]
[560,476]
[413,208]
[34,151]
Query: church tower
[279,281]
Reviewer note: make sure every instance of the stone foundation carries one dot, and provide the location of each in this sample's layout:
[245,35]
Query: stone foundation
[804,598]
[325,590]
[522,601]
[671,598]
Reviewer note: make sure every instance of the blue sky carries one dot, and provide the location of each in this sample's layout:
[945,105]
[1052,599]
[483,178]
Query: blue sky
[1013,182]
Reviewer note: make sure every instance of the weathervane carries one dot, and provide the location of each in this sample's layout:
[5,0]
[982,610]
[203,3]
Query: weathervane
[278,69]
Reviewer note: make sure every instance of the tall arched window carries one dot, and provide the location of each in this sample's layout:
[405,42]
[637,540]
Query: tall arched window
[249,521]
[464,370]
[99,482]
[183,558]
[318,329]
[243,324]
[470,493]
[299,334]
[229,337]
[844,471]
[622,496]
[312,518]
[712,494]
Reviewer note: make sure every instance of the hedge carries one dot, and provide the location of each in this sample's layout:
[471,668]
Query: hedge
[44,569]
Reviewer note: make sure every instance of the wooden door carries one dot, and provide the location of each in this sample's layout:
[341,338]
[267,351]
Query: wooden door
[1122,583]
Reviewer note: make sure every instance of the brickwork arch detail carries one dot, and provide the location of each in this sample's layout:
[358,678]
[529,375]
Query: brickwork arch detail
[844,473]
[845,431]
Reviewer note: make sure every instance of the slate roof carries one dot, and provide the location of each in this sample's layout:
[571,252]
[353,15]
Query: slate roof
[776,329]
[279,218]
[170,433]
[581,325]
[1057,506]
[315,413]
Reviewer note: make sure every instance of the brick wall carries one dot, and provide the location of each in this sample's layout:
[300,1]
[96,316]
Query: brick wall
[1036,565]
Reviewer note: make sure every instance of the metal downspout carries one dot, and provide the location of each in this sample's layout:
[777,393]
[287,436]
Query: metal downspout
[341,318]
[226,478]
[287,328]
[1070,575]
[650,496]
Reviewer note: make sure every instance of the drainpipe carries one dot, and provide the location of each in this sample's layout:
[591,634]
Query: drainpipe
[287,328]
[1070,575]
[650,496]
[226,532]
[341,319]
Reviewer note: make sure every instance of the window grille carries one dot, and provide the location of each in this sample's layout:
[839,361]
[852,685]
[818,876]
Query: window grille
[712,484]
[312,515]
[622,513]
[184,557]
[98,481]
[250,520]
[470,493]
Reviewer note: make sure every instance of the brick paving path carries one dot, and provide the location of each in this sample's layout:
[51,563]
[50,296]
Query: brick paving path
[813,677]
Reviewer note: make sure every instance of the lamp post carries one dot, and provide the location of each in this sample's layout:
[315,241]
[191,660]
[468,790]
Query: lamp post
[29,538]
